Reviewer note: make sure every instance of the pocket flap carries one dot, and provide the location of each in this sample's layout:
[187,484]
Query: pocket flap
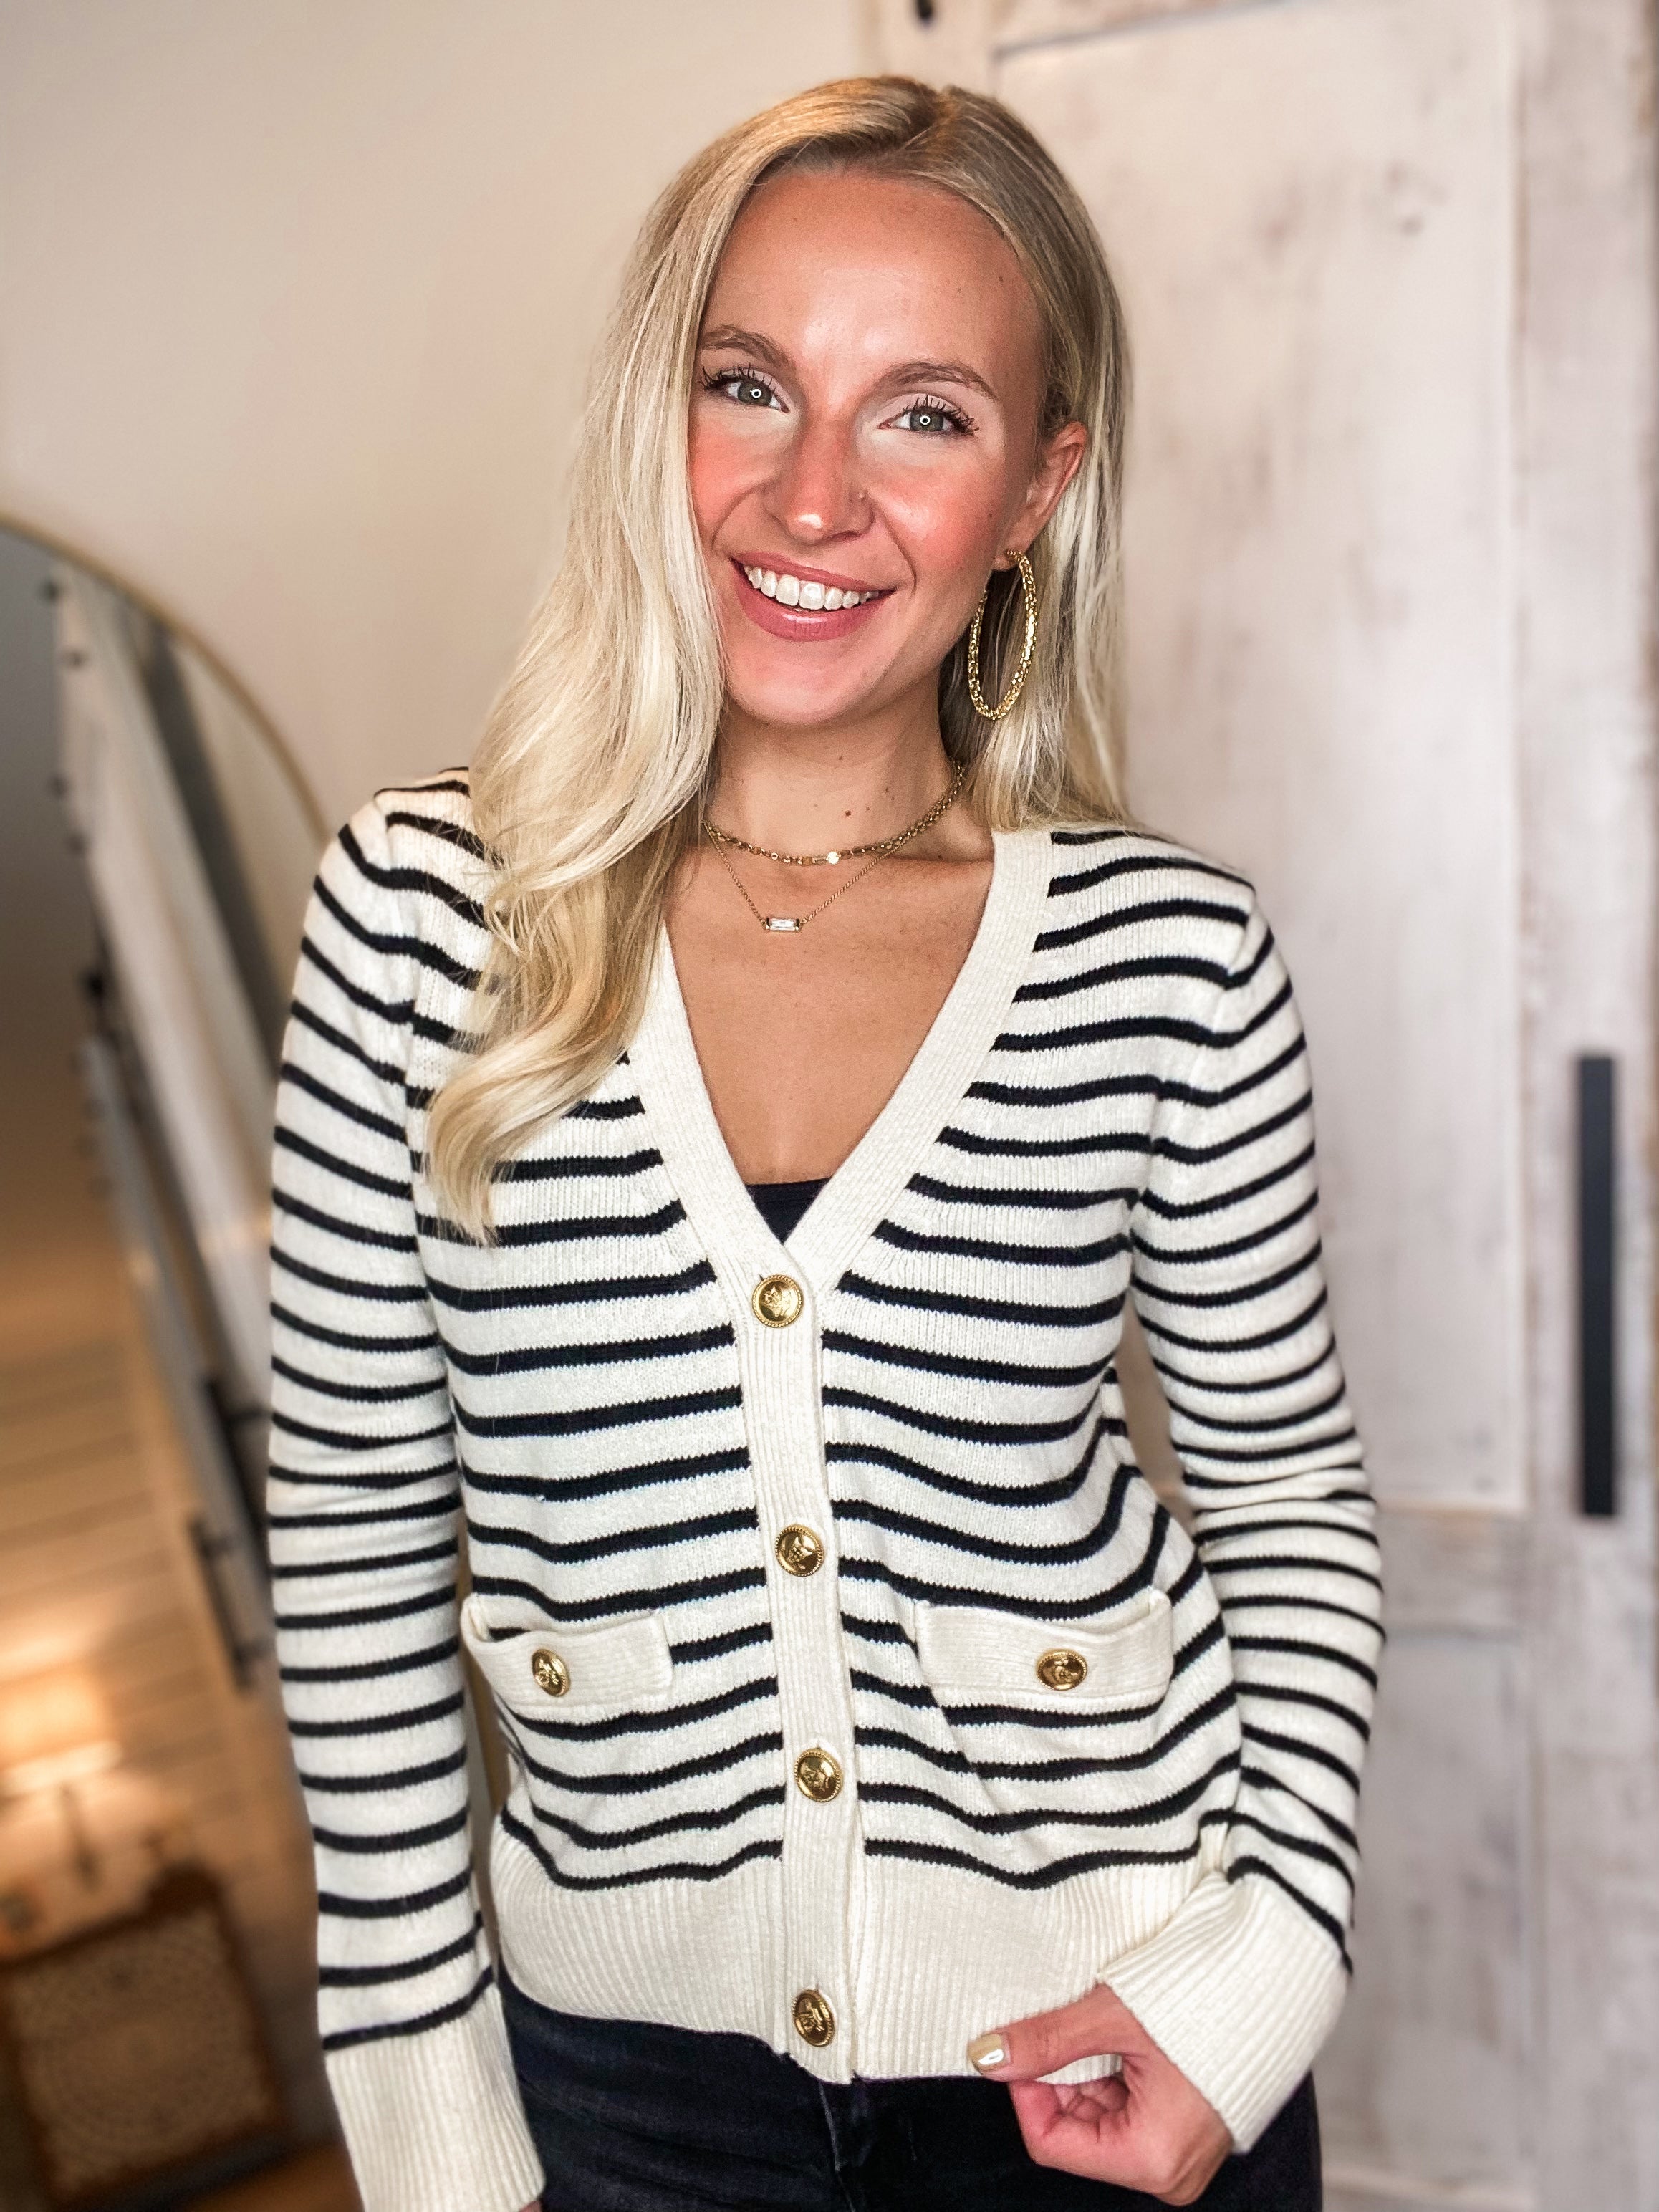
[544,1670]
[971,1651]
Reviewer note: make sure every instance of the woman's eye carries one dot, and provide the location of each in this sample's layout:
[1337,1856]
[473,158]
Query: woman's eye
[928,419]
[747,391]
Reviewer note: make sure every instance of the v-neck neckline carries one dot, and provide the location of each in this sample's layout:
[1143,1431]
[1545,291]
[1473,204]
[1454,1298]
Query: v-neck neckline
[858,1195]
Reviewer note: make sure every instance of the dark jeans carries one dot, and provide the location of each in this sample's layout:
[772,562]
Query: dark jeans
[631,2118]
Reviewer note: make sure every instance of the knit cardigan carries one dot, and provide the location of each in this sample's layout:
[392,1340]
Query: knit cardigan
[1113,1104]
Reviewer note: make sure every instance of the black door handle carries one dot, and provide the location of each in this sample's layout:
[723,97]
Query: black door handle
[1598,1428]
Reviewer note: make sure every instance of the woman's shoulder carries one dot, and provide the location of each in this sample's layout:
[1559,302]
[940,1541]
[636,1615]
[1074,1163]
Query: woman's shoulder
[1112,876]
[416,841]
[404,879]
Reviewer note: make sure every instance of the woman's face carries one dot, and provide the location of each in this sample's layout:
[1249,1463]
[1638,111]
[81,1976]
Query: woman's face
[864,431]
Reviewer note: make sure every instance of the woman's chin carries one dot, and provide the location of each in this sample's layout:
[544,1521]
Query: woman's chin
[804,699]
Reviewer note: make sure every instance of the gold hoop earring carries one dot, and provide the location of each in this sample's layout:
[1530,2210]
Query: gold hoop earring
[1029,593]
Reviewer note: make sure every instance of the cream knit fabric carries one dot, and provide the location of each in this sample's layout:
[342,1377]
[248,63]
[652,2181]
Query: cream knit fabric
[1113,1103]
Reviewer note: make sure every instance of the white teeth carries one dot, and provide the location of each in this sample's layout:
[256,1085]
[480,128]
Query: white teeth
[790,591]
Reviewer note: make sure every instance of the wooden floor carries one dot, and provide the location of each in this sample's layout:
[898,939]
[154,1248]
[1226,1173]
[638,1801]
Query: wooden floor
[316,2181]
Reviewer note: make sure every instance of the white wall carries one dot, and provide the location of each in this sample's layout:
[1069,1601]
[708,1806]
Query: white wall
[295,299]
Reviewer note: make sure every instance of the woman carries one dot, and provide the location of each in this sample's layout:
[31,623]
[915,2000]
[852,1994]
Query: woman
[904,1810]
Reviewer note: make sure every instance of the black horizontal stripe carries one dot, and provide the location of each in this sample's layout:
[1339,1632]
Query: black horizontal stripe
[666,1720]
[654,1537]
[419,881]
[514,1236]
[698,1589]
[1052,1607]
[401,1777]
[634,1877]
[1138,916]
[1153,1812]
[589,1421]
[412,1716]
[1018,1312]
[337,1102]
[397,945]
[949,1364]
[576,1167]
[401,1970]
[627,1782]
[1050,1771]
[1004,1492]
[368,1670]
[360,1393]
[423,2024]
[565,1489]
[1053,1200]
[503,1298]
[1004,1433]
[386,1840]
[375,1347]
[1171,965]
[700,1820]
[533,1359]
[1085,1545]
[1047,1875]
[339,1224]
[405,1907]
[290,1141]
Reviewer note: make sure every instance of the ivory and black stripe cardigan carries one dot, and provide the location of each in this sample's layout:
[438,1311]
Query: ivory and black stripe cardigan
[1113,1104]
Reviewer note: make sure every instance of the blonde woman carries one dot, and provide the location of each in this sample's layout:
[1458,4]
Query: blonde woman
[719,1142]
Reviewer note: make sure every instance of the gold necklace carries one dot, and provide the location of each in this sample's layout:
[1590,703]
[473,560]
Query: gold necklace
[790,925]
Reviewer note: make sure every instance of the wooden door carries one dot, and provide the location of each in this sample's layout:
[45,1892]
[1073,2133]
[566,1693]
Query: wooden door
[1388,270]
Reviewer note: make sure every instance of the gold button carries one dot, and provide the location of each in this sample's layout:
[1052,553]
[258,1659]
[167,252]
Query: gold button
[818,1776]
[799,1552]
[1062,1670]
[814,2021]
[550,1673]
[777,1301]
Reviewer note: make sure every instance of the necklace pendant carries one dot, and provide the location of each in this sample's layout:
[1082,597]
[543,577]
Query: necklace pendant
[781,921]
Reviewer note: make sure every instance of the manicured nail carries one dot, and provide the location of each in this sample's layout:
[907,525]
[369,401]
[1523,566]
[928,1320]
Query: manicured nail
[987,2052]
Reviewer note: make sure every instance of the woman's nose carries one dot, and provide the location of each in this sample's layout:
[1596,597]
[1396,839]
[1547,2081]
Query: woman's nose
[816,493]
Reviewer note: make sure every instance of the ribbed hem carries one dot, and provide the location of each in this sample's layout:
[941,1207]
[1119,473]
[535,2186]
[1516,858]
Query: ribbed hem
[433,2121]
[1240,1989]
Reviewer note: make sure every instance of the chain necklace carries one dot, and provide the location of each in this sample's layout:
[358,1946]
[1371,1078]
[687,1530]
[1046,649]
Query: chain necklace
[793,924]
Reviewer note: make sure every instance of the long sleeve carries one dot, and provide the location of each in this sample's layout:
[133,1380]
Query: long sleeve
[365,1520]
[1244,1985]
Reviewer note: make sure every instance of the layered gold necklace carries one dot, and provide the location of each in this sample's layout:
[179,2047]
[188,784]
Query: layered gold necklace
[873,855]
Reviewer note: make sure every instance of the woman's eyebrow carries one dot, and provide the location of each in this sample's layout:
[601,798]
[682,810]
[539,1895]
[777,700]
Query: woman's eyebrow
[940,372]
[727,337]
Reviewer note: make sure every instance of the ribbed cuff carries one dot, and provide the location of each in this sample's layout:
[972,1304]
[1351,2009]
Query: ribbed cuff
[1240,1989]
[434,2123]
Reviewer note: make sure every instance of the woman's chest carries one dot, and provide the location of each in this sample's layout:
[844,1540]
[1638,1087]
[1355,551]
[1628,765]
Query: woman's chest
[803,1035]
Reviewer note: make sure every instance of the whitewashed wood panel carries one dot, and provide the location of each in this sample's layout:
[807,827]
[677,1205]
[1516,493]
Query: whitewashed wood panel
[1308,207]
[1441,1940]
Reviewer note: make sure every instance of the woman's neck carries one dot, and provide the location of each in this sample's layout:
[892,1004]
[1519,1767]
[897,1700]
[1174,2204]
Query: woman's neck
[806,791]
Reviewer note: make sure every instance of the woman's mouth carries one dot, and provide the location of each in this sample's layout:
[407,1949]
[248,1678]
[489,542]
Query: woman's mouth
[804,608]
[795,592]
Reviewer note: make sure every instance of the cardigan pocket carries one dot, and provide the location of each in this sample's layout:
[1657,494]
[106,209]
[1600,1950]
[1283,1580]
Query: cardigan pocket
[544,1672]
[1122,1665]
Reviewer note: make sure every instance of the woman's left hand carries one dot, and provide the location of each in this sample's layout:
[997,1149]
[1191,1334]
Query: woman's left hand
[1147,2128]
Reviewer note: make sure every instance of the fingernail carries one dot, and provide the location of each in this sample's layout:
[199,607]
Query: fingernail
[987,2052]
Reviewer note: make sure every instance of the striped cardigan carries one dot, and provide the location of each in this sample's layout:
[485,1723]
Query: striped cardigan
[1113,1104]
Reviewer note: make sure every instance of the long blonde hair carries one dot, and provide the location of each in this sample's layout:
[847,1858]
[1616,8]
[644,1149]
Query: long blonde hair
[587,782]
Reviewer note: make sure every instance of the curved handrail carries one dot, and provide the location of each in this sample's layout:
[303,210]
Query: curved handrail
[63,549]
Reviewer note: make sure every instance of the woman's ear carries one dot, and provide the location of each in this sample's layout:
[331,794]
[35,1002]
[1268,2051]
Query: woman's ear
[1058,460]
